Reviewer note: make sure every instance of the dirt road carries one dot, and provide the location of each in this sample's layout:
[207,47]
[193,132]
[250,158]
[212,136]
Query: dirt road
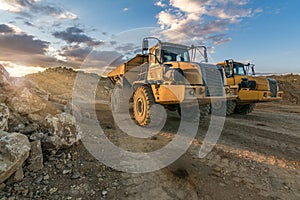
[256,157]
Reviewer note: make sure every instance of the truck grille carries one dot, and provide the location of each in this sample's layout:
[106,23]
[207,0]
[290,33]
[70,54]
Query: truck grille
[214,81]
[273,87]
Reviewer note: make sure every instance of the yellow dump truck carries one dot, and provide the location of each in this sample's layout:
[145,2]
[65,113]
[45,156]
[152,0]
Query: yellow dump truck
[252,89]
[172,75]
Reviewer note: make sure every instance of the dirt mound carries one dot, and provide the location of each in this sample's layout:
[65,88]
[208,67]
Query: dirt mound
[59,83]
[290,85]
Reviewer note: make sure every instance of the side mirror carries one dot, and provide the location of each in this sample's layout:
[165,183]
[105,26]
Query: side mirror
[253,69]
[205,55]
[231,63]
[145,46]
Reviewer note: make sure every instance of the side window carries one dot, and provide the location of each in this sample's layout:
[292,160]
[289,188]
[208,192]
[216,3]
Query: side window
[228,71]
[239,70]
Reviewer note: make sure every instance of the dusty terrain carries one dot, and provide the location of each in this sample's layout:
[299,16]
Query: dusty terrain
[256,157]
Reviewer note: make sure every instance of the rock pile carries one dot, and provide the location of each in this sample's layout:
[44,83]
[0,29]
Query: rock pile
[31,125]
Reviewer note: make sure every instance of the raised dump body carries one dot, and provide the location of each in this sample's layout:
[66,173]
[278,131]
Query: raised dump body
[131,68]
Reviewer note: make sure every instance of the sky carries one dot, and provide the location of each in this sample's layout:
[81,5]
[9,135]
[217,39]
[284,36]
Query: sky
[35,34]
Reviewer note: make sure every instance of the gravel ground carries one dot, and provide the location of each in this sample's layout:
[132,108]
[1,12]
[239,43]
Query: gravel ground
[256,157]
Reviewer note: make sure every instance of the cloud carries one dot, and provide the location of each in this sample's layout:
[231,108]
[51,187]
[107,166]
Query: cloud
[14,40]
[31,7]
[24,49]
[126,48]
[160,4]
[204,20]
[77,36]
[125,9]
[6,29]
[75,53]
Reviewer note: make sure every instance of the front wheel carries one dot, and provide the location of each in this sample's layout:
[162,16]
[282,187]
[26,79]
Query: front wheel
[142,101]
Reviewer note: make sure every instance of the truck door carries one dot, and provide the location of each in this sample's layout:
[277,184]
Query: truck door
[155,68]
[228,68]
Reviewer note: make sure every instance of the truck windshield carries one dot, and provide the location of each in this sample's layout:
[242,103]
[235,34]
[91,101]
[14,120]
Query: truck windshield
[250,70]
[175,54]
[238,69]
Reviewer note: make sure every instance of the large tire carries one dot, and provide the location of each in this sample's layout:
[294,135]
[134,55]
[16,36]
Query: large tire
[118,105]
[204,111]
[142,101]
[219,107]
[120,96]
[244,109]
[190,115]
[230,107]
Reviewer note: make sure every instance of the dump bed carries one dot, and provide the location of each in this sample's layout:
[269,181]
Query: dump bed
[131,66]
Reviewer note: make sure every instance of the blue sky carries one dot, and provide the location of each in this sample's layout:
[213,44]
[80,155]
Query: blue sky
[38,33]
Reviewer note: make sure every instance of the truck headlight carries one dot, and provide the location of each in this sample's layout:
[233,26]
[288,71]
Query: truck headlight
[265,94]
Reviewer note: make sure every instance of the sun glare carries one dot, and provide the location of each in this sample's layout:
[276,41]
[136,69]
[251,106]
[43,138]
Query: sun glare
[21,70]
[9,7]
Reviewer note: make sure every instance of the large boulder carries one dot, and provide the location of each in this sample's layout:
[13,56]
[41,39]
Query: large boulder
[27,103]
[35,159]
[4,115]
[14,150]
[62,132]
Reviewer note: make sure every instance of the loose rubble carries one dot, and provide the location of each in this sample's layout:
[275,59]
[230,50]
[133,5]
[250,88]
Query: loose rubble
[34,124]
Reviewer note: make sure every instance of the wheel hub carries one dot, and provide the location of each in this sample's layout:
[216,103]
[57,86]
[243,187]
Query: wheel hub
[140,107]
[217,105]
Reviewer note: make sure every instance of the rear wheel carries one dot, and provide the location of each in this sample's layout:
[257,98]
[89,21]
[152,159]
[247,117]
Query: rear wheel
[222,108]
[244,109]
[190,113]
[142,101]
[230,107]
[204,111]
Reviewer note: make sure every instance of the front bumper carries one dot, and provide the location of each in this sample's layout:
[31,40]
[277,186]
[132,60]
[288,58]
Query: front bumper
[258,96]
[175,94]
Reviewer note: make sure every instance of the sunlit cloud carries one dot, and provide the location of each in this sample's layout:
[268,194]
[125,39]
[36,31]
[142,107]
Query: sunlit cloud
[160,4]
[203,20]
[33,7]
[21,48]
[9,6]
